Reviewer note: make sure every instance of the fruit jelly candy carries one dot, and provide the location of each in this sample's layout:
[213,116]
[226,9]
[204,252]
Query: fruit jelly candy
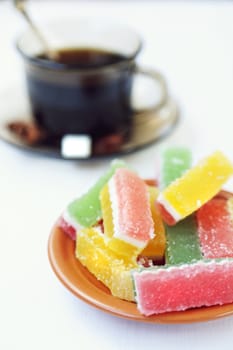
[106,211]
[86,210]
[108,267]
[180,287]
[130,220]
[114,243]
[215,229]
[182,242]
[130,208]
[174,163]
[198,185]
[156,246]
[67,228]
[230,207]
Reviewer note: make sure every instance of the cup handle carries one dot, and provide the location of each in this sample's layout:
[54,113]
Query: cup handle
[158,77]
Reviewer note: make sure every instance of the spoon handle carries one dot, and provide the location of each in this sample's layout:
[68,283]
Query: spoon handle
[20,5]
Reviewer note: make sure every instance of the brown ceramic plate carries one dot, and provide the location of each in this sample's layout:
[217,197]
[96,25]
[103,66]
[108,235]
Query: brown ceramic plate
[85,286]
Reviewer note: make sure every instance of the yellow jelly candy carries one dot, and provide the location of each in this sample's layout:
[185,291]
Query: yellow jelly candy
[108,267]
[198,185]
[156,247]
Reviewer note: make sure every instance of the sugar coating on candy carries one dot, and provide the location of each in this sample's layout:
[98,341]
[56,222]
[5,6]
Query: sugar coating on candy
[230,208]
[174,163]
[181,287]
[215,229]
[132,219]
[115,244]
[108,267]
[122,284]
[86,210]
[183,244]
[156,246]
[198,185]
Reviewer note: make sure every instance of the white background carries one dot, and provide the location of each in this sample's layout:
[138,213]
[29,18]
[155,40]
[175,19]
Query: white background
[192,44]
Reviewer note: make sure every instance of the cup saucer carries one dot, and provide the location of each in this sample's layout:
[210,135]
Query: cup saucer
[148,128]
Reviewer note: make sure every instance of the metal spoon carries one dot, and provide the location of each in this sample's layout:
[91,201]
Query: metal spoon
[20,6]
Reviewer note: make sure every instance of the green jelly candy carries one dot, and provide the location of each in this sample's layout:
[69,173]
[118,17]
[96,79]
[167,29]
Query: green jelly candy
[86,210]
[175,161]
[182,242]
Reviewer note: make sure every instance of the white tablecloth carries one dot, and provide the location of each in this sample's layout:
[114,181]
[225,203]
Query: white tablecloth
[191,43]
